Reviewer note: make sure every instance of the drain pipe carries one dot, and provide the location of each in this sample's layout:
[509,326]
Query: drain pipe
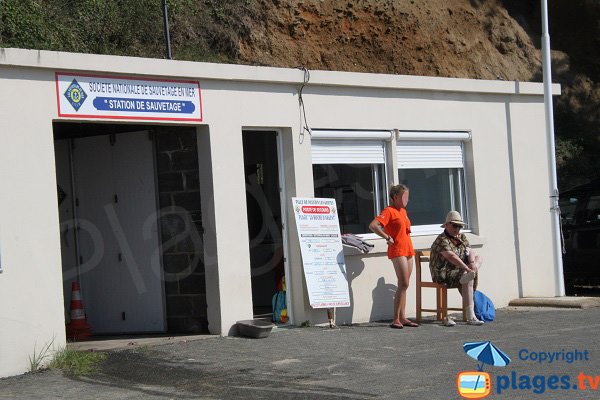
[554,208]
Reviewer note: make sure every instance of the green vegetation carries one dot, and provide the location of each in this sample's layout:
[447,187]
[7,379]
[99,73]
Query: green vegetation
[72,362]
[77,363]
[208,30]
[38,358]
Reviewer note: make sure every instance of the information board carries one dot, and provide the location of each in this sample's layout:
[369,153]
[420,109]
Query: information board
[96,96]
[322,252]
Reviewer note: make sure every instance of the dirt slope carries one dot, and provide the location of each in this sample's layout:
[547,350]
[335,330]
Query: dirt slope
[456,38]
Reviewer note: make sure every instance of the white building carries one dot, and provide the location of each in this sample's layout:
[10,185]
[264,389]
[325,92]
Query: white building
[184,214]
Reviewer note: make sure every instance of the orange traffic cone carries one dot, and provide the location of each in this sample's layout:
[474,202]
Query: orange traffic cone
[78,328]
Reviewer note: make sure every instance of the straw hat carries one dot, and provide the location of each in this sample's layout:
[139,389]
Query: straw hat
[454,218]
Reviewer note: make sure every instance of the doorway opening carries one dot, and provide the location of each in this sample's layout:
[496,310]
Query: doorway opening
[264,189]
[130,224]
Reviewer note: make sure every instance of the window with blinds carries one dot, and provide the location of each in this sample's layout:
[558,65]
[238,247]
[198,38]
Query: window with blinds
[350,167]
[432,165]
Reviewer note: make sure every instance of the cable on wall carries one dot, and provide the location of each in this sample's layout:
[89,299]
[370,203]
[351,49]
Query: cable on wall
[303,121]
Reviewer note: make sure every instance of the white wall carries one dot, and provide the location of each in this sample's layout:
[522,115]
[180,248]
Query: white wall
[227,260]
[507,182]
[532,201]
[31,293]
[497,186]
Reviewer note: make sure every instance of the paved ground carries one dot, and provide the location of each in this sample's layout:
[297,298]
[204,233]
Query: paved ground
[360,362]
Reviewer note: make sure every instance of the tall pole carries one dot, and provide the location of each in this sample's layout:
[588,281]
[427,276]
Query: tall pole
[166,26]
[554,209]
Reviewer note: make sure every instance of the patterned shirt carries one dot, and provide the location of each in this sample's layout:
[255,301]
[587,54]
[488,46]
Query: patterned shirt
[440,267]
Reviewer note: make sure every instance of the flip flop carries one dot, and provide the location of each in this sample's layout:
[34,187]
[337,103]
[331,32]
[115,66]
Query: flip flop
[411,324]
[396,326]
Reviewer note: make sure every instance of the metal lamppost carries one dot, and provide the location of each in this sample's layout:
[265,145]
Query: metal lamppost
[554,208]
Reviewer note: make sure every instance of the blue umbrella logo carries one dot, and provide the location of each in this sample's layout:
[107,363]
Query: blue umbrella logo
[476,385]
[486,353]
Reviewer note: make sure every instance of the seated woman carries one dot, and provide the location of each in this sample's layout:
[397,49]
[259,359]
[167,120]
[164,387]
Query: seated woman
[454,263]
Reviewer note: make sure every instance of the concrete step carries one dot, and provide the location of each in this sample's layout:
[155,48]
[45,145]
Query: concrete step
[558,302]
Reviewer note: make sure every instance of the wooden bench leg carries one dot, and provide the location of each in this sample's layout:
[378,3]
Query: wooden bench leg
[440,303]
[419,304]
[444,302]
[441,291]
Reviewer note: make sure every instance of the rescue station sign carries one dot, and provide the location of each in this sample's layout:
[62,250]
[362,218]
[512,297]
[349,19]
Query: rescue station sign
[322,252]
[95,96]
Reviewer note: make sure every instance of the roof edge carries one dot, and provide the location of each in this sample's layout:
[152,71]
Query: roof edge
[98,63]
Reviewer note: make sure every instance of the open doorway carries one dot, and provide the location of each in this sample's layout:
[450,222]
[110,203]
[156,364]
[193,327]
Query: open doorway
[130,222]
[263,199]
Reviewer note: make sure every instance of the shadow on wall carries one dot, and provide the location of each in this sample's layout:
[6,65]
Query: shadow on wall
[382,295]
[383,300]
[344,315]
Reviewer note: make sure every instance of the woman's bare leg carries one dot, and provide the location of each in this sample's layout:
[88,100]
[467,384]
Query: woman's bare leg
[403,267]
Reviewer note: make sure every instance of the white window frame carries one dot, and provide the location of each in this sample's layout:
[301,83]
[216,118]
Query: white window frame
[355,146]
[451,160]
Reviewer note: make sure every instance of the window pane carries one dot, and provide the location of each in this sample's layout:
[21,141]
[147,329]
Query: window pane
[433,192]
[352,188]
[588,240]
[592,209]
[568,206]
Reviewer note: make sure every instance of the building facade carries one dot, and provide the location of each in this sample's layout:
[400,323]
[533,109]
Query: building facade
[164,187]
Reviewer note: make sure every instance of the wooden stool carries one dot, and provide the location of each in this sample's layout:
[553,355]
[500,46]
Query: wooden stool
[441,291]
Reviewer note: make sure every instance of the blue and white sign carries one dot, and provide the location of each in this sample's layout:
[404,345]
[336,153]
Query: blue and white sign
[322,252]
[93,96]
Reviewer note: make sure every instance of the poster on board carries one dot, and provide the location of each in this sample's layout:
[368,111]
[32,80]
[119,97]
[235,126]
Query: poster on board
[322,252]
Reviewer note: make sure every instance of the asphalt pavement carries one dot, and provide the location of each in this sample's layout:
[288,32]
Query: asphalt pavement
[554,354]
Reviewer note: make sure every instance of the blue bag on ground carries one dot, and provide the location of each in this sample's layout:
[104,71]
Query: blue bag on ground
[484,308]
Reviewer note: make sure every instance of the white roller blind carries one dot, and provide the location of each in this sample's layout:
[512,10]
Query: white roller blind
[349,147]
[348,152]
[429,154]
[365,135]
[434,135]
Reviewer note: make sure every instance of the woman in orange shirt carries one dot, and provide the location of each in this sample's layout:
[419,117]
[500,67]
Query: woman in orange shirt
[394,226]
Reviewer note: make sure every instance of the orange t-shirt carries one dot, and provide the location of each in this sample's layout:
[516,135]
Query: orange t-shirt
[396,224]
